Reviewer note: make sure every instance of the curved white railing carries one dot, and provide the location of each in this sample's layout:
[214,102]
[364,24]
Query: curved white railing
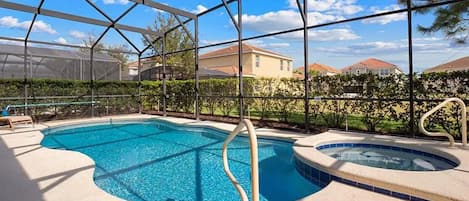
[254,160]
[463,121]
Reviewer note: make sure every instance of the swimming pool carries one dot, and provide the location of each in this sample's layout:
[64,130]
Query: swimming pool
[388,157]
[156,160]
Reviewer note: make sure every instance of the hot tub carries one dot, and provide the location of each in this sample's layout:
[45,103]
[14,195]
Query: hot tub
[385,156]
[405,168]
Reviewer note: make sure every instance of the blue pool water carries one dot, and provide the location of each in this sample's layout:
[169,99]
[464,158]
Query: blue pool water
[389,157]
[155,160]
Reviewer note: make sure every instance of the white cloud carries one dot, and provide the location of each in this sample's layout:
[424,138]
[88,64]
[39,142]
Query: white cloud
[199,9]
[282,20]
[332,34]
[12,42]
[271,45]
[387,18]
[77,34]
[323,35]
[287,19]
[279,45]
[345,7]
[121,2]
[420,46]
[39,26]
[210,42]
[157,10]
[61,40]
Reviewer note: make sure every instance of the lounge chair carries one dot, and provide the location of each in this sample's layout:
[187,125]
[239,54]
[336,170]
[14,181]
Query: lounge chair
[11,121]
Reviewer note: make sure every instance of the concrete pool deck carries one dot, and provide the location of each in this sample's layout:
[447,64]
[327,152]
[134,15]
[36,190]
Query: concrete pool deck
[444,185]
[29,171]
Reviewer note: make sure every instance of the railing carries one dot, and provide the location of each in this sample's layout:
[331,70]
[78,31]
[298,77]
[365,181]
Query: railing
[254,160]
[463,121]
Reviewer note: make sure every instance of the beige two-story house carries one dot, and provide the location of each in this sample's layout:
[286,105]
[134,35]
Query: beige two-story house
[374,66]
[257,62]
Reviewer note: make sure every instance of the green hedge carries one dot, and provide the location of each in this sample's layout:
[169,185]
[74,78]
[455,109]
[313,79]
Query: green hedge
[378,103]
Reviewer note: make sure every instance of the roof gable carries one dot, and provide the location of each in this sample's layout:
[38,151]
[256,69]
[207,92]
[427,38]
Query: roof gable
[373,64]
[234,50]
[458,64]
[320,68]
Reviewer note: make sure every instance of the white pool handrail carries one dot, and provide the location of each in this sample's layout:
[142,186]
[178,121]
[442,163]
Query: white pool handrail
[254,160]
[463,121]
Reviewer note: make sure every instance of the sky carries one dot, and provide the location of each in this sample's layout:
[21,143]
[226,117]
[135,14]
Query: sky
[338,46]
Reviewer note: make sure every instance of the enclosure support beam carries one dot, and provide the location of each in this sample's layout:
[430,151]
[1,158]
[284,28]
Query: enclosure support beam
[113,22]
[25,84]
[65,16]
[430,5]
[139,84]
[81,69]
[3,66]
[128,41]
[239,27]
[411,68]
[240,59]
[166,8]
[163,54]
[233,20]
[63,45]
[184,28]
[92,80]
[25,56]
[188,20]
[99,38]
[196,65]
[304,16]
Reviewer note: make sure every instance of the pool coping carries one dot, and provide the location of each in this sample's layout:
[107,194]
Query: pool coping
[43,167]
[451,184]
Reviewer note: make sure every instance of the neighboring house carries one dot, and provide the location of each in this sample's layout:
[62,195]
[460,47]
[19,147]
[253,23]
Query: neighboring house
[321,69]
[257,62]
[133,68]
[461,64]
[374,66]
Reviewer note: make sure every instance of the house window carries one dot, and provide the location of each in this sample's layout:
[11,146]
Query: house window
[288,65]
[385,71]
[281,64]
[257,60]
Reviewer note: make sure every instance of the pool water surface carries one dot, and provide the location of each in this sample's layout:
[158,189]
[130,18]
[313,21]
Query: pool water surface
[388,157]
[155,160]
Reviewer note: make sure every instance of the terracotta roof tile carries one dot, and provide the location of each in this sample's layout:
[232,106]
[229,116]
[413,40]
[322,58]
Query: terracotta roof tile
[371,63]
[234,50]
[320,68]
[455,65]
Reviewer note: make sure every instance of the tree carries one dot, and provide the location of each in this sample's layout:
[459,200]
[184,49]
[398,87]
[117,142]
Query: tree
[451,19]
[175,40]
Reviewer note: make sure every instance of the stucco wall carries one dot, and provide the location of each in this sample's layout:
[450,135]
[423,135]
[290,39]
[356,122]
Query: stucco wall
[357,71]
[269,66]
[230,60]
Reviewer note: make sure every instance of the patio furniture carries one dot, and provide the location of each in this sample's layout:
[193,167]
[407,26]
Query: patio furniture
[11,121]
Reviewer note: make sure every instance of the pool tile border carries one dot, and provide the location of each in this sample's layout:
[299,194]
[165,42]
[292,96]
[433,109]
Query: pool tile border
[323,179]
